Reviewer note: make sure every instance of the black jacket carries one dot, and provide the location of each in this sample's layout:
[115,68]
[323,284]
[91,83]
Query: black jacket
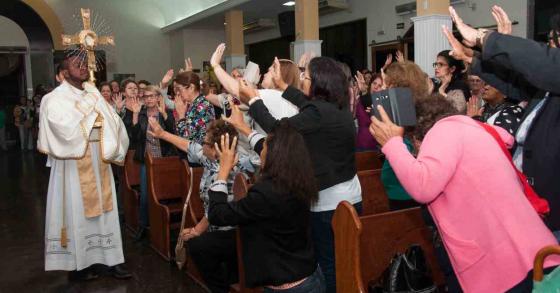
[275,232]
[329,133]
[137,134]
[525,69]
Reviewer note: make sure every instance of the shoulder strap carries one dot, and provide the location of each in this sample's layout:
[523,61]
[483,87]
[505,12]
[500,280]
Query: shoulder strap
[540,204]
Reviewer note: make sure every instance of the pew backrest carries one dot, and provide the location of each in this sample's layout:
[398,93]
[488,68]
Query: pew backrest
[364,246]
[131,170]
[369,160]
[374,198]
[167,177]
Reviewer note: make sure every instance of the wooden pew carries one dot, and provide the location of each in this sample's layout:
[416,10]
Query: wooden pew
[364,246]
[131,191]
[370,160]
[241,185]
[167,189]
[374,198]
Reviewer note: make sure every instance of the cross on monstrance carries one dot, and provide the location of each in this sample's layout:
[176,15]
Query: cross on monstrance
[87,39]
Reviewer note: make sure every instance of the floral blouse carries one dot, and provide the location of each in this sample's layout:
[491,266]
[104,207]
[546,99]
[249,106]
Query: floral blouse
[198,116]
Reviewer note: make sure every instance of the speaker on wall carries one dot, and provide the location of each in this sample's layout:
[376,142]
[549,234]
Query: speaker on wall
[287,23]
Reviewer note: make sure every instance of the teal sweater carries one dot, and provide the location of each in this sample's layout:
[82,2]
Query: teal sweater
[393,187]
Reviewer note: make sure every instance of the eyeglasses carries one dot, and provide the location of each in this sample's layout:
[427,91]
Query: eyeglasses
[151,96]
[439,64]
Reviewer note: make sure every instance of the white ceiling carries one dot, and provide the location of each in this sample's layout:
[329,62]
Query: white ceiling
[214,18]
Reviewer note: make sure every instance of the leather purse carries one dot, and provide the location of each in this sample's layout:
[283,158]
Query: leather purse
[408,272]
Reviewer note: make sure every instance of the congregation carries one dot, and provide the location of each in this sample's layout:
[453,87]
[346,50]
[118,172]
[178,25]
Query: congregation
[275,183]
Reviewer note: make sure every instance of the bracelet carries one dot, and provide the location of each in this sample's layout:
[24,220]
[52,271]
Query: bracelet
[480,37]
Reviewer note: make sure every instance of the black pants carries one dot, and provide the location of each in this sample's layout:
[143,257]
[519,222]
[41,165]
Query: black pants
[215,256]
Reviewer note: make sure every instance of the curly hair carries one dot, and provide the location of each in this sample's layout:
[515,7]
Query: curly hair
[407,74]
[429,110]
[217,128]
[288,163]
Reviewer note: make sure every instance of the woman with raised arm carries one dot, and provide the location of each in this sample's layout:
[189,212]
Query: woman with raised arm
[327,126]
[212,248]
[473,193]
[144,142]
[274,216]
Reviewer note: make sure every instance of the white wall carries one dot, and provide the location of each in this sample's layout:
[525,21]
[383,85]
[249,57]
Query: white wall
[198,44]
[381,16]
[141,47]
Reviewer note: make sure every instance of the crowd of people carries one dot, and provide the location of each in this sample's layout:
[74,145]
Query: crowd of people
[300,126]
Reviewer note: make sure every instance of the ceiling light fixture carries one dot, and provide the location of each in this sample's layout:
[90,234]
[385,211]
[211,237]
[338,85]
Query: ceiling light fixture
[289,3]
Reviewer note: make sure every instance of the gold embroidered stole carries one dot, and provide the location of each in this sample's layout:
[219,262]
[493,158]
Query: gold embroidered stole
[93,205]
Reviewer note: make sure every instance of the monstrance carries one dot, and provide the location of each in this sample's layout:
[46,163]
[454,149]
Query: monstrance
[87,40]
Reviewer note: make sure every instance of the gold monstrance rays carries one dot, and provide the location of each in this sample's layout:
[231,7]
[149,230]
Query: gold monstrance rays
[87,40]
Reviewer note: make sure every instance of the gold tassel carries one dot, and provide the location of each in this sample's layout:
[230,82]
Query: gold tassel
[63,237]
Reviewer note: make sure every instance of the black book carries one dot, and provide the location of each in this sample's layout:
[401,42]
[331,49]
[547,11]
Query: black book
[398,103]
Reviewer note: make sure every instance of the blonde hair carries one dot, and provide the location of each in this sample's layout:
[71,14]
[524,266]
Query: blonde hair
[154,89]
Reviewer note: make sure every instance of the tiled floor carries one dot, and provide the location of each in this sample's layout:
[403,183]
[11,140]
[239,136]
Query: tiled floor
[23,191]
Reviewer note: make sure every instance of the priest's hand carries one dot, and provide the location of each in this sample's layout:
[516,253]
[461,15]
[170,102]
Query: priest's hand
[246,92]
[385,129]
[277,76]
[155,129]
[236,119]
[227,153]
[217,56]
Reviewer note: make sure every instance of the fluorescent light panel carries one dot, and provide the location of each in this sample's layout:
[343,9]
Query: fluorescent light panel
[289,3]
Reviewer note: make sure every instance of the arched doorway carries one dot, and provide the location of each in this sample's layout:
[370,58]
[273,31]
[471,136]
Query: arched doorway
[39,49]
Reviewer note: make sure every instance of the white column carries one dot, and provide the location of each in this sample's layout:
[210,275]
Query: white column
[429,39]
[233,61]
[303,46]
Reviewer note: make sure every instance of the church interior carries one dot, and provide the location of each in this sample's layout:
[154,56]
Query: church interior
[279,146]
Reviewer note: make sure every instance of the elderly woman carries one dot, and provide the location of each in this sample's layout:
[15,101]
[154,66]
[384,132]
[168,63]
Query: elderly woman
[488,227]
[144,142]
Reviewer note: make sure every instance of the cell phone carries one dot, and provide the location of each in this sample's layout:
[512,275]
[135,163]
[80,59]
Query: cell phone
[227,108]
[397,103]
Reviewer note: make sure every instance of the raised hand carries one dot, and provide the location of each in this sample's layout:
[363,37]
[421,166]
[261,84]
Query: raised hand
[180,107]
[361,81]
[188,65]
[445,81]
[277,75]
[155,129]
[217,56]
[400,56]
[305,59]
[135,105]
[388,61]
[469,34]
[385,129]
[227,152]
[246,92]
[458,51]
[161,107]
[167,78]
[473,108]
[236,119]
[502,19]
[118,101]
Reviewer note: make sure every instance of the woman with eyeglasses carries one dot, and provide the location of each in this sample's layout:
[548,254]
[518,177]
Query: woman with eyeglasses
[194,112]
[450,75]
[144,142]
[327,125]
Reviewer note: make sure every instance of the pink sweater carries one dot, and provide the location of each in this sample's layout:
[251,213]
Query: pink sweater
[488,227]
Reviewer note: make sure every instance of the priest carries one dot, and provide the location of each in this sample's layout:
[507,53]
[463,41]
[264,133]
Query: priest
[82,136]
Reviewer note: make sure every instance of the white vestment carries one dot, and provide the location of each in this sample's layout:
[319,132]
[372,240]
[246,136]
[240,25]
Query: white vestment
[82,135]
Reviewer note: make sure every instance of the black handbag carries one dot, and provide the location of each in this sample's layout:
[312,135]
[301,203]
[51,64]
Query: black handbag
[408,272]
